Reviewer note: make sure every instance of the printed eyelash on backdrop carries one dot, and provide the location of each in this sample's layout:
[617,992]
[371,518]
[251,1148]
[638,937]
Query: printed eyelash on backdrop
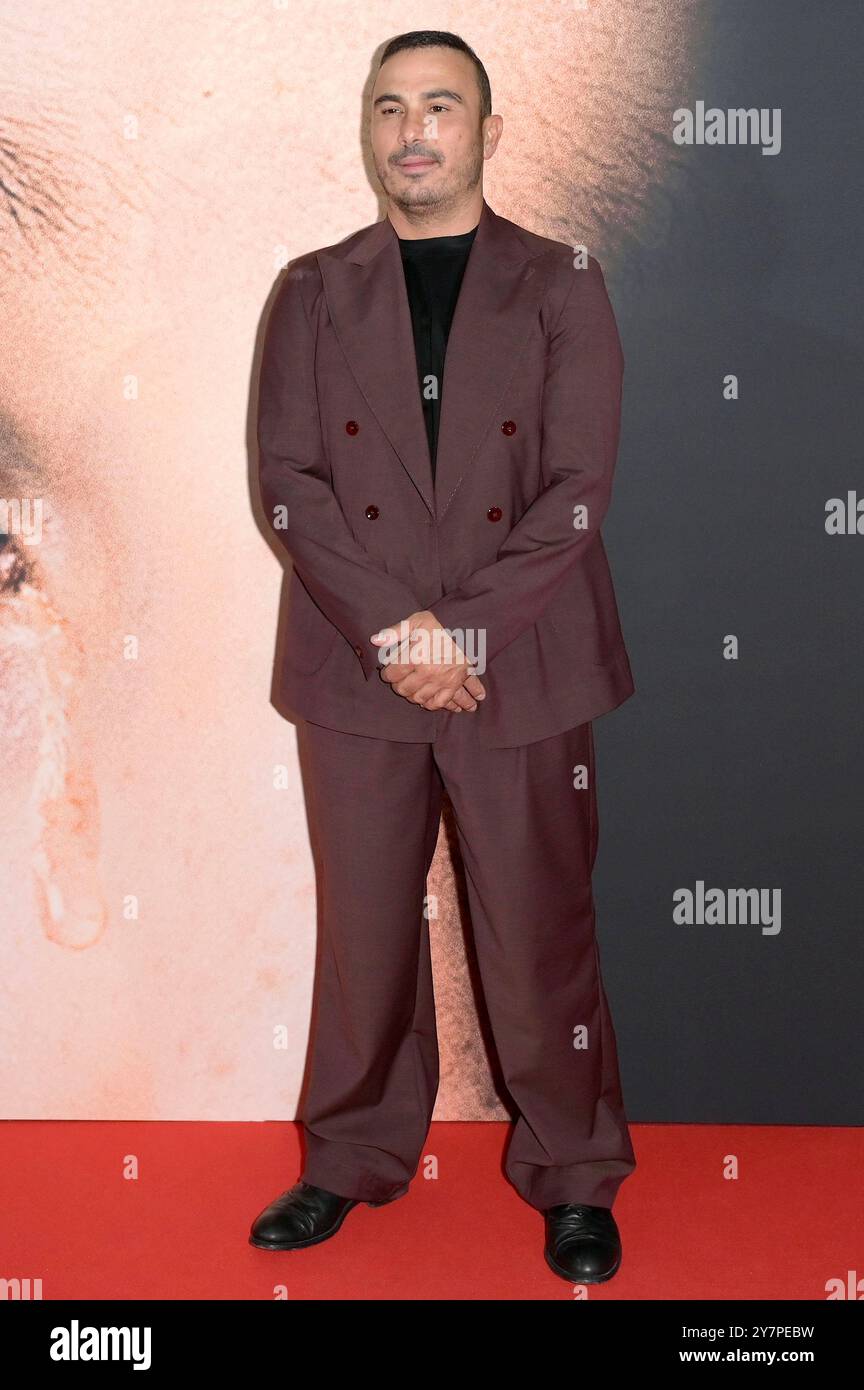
[17,567]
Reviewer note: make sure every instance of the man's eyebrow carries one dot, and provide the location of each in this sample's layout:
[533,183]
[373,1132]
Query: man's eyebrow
[30,191]
[54,193]
[426,96]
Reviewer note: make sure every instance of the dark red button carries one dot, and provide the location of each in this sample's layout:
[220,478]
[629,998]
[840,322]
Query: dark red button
[494,514]
[372,511]
[509,427]
[351,427]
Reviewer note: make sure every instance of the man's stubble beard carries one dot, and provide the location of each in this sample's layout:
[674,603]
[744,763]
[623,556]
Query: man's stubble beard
[420,199]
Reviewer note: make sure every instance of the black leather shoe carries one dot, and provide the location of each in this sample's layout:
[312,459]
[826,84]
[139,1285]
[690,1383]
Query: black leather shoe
[304,1215]
[582,1243]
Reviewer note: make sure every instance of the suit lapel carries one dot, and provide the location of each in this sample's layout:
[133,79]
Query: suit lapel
[368,303]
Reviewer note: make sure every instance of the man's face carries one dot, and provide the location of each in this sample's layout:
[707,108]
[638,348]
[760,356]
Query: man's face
[152,806]
[427,136]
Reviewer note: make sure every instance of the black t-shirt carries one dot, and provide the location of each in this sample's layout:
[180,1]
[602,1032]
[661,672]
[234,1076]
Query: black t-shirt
[433,267]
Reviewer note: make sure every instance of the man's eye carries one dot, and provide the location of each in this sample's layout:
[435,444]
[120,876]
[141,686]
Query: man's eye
[15,566]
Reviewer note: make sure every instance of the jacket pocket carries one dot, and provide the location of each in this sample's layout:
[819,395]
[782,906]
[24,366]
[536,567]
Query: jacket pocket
[309,634]
[582,638]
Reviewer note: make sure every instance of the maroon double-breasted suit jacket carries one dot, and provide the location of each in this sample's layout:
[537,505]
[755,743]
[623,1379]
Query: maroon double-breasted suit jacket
[505,538]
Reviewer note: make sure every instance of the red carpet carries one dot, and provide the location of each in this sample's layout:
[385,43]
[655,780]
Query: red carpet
[792,1221]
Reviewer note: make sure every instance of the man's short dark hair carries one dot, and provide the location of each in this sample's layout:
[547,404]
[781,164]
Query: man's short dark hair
[440,38]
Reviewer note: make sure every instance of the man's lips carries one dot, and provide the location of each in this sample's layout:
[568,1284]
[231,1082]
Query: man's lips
[418,163]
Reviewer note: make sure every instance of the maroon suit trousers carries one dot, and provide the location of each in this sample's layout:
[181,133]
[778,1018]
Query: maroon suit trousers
[528,838]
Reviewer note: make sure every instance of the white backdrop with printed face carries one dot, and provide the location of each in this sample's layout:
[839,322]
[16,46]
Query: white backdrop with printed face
[157,167]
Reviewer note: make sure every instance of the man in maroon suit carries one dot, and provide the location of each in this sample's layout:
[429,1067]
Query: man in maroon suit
[452,626]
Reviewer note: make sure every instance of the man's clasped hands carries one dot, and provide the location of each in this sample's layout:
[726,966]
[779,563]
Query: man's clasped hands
[444,682]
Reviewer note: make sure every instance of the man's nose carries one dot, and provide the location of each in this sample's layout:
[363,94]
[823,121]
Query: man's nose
[413,131]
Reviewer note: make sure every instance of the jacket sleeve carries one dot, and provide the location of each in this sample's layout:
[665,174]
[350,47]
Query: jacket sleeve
[353,590]
[581,407]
